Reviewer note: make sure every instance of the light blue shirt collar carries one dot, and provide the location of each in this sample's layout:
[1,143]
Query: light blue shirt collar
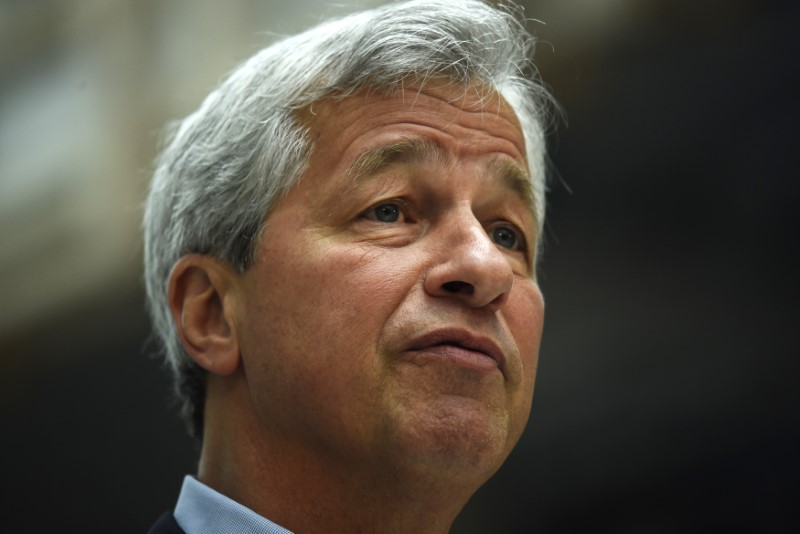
[201,510]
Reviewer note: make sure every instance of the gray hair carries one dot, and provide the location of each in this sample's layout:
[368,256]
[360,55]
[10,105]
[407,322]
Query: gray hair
[229,163]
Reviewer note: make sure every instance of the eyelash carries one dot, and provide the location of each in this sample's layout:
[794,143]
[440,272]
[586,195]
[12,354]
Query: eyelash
[519,245]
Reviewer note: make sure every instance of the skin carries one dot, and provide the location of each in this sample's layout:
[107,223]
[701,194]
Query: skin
[328,409]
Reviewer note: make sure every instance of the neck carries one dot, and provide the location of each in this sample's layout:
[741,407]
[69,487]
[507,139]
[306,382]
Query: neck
[308,490]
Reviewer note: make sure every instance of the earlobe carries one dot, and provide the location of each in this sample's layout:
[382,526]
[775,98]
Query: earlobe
[200,296]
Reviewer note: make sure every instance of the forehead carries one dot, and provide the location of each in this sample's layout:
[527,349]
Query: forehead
[471,119]
[465,123]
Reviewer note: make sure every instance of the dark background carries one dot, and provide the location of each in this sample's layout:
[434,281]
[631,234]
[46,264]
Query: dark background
[667,396]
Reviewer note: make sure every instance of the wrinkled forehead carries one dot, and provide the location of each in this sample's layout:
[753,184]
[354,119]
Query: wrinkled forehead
[461,109]
[349,133]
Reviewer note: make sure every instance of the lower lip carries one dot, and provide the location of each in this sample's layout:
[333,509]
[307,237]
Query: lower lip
[454,354]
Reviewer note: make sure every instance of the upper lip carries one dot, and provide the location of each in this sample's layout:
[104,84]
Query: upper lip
[462,338]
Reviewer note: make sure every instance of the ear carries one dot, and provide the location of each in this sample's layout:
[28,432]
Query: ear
[201,294]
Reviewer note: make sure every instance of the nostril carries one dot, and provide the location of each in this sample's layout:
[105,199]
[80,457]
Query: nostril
[458,287]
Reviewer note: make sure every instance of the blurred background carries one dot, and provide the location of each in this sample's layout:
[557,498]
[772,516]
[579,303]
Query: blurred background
[667,396]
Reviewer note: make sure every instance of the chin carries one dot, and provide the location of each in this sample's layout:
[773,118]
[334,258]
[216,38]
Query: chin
[460,438]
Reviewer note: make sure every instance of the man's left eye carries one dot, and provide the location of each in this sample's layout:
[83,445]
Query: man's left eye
[387,213]
[507,237]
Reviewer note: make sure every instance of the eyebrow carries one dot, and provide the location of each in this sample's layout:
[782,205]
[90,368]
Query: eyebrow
[412,150]
[418,150]
[516,179]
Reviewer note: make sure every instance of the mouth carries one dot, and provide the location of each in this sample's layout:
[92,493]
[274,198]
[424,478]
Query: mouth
[460,347]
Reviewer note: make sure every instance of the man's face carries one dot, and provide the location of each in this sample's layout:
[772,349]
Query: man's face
[392,317]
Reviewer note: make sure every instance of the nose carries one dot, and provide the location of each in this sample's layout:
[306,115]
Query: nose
[469,267]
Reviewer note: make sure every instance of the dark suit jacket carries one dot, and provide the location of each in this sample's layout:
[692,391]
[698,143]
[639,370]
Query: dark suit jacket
[166,524]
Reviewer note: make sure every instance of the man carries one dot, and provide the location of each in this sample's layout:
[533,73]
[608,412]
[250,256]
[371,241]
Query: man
[340,250]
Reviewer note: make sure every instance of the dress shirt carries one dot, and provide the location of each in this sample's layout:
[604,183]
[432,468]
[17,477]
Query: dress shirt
[201,510]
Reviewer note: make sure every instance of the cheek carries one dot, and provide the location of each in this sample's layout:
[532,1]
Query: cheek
[528,316]
[314,326]
[525,321]
[362,287]
[329,300]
